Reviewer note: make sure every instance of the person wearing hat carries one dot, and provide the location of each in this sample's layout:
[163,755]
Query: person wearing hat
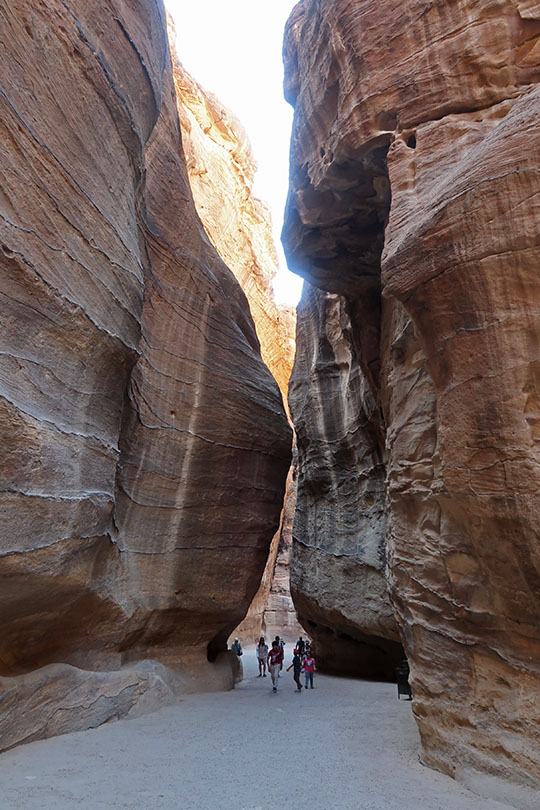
[236,647]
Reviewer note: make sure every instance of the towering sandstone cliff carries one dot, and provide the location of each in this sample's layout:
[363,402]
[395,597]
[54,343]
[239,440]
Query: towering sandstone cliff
[144,443]
[221,171]
[413,211]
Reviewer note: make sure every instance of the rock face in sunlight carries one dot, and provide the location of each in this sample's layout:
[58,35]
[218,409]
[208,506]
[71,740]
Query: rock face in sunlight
[145,443]
[413,208]
[272,612]
[221,171]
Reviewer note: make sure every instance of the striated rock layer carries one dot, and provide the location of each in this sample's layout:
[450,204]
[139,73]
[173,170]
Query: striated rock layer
[145,447]
[272,611]
[221,172]
[337,569]
[415,198]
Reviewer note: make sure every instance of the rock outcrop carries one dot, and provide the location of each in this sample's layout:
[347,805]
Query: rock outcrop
[414,207]
[279,616]
[145,446]
[221,172]
[337,571]
[272,611]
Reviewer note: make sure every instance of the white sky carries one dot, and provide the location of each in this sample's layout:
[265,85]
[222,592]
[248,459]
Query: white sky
[233,48]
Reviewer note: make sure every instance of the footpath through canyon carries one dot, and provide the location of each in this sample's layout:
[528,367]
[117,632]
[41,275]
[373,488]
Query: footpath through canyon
[347,744]
[148,507]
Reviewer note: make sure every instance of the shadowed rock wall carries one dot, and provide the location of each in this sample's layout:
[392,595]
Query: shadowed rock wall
[414,176]
[338,559]
[145,446]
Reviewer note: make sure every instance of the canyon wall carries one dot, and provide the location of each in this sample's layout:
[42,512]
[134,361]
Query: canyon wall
[145,447]
[221,171]
[414,209]
[338,559]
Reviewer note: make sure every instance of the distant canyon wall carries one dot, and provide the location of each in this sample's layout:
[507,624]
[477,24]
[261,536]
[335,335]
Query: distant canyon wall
[221,171]
[413,214]
[145,446]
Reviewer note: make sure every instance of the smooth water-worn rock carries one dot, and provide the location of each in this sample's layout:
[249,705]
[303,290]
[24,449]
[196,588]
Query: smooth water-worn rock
[145,446]
[414,196]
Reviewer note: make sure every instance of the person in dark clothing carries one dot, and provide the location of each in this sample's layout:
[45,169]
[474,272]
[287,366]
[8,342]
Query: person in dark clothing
[296,666]
[300,646]
[236,647]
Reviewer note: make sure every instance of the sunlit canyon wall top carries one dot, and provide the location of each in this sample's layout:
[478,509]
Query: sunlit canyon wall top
[413,214]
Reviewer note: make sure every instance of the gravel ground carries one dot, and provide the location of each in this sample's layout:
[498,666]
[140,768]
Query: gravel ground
[345,745]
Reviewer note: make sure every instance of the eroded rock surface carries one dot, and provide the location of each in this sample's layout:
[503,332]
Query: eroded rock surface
[145,447]
[337,569]
[221,171]
[414,196]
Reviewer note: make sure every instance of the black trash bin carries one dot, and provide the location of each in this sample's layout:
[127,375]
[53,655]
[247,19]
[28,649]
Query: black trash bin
[402,680]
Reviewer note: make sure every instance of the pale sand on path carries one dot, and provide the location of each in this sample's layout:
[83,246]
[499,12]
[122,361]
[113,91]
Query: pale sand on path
[345,745]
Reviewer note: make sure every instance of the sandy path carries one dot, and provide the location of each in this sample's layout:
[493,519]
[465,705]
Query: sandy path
[346,745]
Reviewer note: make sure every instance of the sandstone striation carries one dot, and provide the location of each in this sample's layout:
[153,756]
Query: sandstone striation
[145,446]
[279,616]
[414,207]
[221,172]
[337,570]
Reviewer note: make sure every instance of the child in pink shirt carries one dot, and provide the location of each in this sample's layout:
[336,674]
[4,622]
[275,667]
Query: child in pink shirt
[309,668]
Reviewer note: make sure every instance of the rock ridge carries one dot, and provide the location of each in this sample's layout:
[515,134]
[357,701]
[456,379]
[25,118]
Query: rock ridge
[414,181]
[145,445]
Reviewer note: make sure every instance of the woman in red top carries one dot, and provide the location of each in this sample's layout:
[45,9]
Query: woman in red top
[275,663]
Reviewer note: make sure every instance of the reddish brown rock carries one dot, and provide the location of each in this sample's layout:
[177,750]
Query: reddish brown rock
[145,443]
[221,171]
[416,131]
[338,558]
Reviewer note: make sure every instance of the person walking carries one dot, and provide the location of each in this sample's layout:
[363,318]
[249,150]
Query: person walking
[275,663]
[236,647]
[262,655]
[309,668]
[281,644]
[297,665]
[301,646]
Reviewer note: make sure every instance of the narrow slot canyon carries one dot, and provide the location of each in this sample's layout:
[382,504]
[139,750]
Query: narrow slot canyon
[186,460]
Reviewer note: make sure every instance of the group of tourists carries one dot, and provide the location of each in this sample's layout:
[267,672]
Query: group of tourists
[303,661]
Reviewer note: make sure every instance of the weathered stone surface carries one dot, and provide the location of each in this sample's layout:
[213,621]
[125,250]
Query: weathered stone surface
[337,570]
[416,131]
[59,699]
[221,172]
[279,617]
[145,447]
[272,611]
